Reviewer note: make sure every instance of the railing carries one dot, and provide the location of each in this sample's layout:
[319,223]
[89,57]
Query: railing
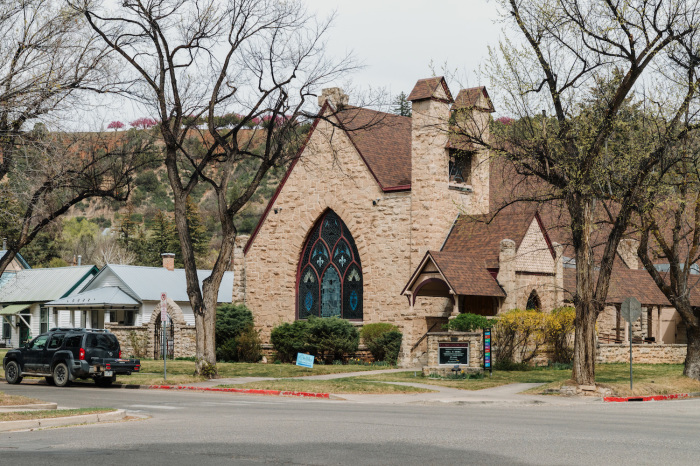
[424,335]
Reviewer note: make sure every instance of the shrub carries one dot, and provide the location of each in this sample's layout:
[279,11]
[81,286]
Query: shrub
[468,322]
[519,335]
[371,332]
[249,345]
[373,336]
[139,344]
[331,338]
[231,321]
[558,334]
[290,339]
[386,347]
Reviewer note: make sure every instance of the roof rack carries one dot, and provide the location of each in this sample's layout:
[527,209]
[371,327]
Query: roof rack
[79,329]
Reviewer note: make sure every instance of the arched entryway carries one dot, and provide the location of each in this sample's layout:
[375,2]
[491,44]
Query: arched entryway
[169,346]
[174,324]
[533,301]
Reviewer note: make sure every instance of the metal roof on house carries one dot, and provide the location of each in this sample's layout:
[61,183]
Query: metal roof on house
[13,309]
[41,285]
[147,283]
[107,296]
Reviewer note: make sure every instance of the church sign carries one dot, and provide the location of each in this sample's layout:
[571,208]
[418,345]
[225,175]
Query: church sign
[453,353]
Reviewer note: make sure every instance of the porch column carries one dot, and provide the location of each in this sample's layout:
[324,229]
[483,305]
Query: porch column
[658,325]
[627,330]
[455,309]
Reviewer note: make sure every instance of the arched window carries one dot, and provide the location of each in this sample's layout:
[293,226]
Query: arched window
[329,277]
[533,301]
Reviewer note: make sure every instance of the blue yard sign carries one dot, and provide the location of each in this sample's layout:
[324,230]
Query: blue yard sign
[305,360]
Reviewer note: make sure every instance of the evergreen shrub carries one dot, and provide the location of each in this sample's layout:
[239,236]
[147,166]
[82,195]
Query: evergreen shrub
[289,339]
[386,347]
[468,322]
[232,320]
[331,338]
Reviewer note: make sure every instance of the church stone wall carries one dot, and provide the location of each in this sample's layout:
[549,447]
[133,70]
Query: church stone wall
[330,174]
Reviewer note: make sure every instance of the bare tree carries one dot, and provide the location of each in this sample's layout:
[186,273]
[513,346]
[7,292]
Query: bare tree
[46,55]
[257,61]
[48,59]
[585,62]
[53,172]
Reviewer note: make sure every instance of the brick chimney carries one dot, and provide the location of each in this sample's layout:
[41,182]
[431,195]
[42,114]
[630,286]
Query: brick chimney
[168,260]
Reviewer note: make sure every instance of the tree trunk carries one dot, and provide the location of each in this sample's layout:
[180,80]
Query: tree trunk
[581,210]
[584,344]
[205,325]
[692,357]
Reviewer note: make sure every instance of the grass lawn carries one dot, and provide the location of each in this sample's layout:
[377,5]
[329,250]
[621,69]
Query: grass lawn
[180,372]
[498,378]
[14,400]
[24,415]
[337,386]
[649,379]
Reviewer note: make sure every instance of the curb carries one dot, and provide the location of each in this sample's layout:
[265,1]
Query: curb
[249,391]
[676,396]
[31,424]
[29,407]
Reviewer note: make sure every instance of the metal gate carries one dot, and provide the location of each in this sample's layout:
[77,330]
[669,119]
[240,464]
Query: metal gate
[170,339]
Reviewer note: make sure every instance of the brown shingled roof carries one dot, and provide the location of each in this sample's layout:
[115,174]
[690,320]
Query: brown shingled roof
[468,98]
[472,237]
[466,275]
[425,89]
[637,283]
[384,142]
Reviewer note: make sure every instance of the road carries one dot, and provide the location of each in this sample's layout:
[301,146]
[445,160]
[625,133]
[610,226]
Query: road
[204,428]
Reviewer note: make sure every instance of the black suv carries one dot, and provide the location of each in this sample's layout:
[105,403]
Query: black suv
[65,354]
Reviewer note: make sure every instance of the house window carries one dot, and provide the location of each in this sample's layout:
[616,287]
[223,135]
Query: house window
[43,320]
[6,329]
[461,167]
[329,276]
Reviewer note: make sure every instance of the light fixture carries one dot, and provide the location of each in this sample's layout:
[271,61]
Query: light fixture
[375,201]
[278,210]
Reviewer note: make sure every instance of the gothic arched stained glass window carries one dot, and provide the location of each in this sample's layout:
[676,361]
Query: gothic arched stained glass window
[329,277]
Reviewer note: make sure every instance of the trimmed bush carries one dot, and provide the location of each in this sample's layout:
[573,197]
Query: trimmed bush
[249,346]
[231,321]
[371,332]
[469,322]
[331,338]
[386,347]
[290,339]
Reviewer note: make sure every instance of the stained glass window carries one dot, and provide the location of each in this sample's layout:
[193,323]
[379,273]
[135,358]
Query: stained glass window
[330,273]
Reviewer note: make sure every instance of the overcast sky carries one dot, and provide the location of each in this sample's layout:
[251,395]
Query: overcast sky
[395,40]
[398,39]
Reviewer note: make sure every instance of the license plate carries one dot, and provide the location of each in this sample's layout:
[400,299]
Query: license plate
[108,374]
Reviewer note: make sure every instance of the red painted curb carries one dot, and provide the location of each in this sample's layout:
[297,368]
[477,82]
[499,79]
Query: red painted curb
[251,391]
[619,399]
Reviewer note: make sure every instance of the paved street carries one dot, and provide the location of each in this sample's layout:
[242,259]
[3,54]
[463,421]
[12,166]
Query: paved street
[220,428]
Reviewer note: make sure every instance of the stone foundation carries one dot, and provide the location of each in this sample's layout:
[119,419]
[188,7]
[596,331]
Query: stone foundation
[138,341]
[642,354]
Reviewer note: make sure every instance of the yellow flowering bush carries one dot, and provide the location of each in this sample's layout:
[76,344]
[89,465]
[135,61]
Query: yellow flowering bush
[559,334]
[519,335]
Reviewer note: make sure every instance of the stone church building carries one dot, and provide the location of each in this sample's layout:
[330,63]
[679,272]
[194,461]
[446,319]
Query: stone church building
[382,218]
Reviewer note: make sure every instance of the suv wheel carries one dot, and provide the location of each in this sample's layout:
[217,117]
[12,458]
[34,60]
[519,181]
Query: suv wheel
[60,375]
[12,373]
